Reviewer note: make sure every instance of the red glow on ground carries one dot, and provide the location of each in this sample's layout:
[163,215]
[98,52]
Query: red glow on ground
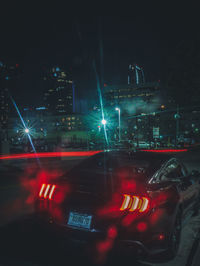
[49,155]
[142,226]
[166,150]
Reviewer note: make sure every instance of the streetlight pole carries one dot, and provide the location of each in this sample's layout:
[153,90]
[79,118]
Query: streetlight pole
[177,117]
[118,109]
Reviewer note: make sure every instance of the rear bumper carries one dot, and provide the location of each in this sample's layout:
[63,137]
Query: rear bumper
[75,238]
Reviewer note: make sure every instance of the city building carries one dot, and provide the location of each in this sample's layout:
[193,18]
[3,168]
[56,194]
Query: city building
[131,95]
[59,92]
[9,76]
[141,106]
[45,127]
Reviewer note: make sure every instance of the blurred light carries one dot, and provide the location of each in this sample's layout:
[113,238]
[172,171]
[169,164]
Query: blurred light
[161,237]
[162,106]
[49,155]
[41,108]
[103,122]
[170,150]
[117,109]
[26,130]
[112,232]
[142,227]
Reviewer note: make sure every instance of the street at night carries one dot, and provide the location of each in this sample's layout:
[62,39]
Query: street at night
[99,134]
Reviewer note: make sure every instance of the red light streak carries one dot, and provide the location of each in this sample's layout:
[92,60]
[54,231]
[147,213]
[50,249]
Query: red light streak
[49,155]
[167,150]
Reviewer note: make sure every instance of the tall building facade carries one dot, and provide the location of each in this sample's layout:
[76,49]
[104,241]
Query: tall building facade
[59,92]
[9,74]
[131,94]
[138,105]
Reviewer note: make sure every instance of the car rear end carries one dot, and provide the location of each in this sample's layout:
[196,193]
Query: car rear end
[99,206]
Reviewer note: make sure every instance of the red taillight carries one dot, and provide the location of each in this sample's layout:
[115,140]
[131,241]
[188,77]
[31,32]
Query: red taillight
[41,190]
[47,191]
[52,191]
[133,203]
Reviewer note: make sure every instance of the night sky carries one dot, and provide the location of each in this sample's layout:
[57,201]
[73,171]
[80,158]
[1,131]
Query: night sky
[38,37]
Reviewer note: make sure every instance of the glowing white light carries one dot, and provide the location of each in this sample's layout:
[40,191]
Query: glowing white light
[26,130]
[103,122]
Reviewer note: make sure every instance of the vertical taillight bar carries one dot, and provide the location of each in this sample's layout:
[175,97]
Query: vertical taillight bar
[134,203]
[145,204]
[51,191]
[126,202]
[41,190]
[46,191]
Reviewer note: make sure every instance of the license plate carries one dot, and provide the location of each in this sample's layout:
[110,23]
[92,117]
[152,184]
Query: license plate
[79,220]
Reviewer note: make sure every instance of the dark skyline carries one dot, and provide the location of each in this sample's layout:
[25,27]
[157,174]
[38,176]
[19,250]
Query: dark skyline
[41,37]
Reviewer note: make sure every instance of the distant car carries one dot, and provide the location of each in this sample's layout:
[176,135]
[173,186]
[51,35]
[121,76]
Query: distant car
[132,201]
[143,144]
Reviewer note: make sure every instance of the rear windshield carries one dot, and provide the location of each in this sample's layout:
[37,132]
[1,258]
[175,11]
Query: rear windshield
[99,167]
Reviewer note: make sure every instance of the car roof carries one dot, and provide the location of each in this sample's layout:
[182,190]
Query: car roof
[155,160]
[139,155]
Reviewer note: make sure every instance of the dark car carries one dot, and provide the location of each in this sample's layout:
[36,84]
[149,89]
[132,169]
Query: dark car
[128,201]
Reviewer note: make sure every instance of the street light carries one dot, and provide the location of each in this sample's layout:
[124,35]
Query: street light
[26,130]
[103,121]
[117,109]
